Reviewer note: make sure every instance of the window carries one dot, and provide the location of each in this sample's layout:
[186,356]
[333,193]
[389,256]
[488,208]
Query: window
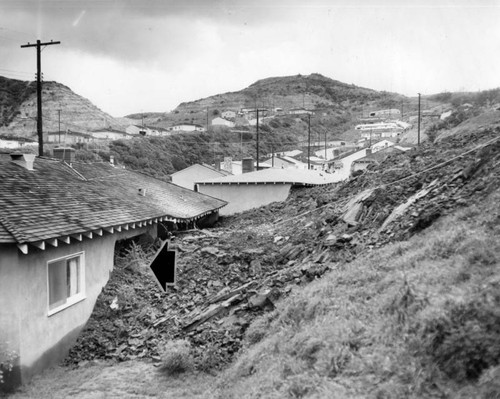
[66,282]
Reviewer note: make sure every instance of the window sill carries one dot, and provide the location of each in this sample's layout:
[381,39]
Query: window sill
[70,302]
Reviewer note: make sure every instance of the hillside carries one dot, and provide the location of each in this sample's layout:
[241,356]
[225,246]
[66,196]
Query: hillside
[18,109]
[315,92]
[385,286]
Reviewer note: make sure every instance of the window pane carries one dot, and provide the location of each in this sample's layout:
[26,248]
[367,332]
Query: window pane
[73,277]
[57,283]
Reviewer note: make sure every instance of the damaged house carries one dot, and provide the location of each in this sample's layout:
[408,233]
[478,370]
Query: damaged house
[59,224]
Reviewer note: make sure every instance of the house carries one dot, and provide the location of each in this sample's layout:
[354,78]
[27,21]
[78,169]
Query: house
[137,130]
[228,114]
[260,188]
[147,131]
[58,229]
[187,127]
[380,145]
[222,122]
[197,172]
[373,157]
[300,111]
[391,113]
[68,137]
[244,166]
[291,153]
[341,166]
[109,134]
[286,162]
[17,143]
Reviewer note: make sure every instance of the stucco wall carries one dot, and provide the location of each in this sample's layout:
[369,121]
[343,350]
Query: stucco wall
[42,339]
[244,197]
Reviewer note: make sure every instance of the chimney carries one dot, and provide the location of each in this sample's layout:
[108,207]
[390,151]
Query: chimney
[247,165]
[24,160]
[142,192]
[112,160]
[66,154]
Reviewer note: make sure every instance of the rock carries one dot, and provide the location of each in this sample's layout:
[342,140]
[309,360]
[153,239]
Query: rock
[330,240]
[345,238]
[255,267]
[210,250]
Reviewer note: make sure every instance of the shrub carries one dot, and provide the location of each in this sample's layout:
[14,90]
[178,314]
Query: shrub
[7,360]
[176,357]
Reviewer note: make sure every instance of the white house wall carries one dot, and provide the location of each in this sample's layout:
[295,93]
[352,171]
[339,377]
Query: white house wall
[244,197]
[39,339]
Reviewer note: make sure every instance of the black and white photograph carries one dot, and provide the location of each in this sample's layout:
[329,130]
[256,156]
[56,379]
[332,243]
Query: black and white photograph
[238,199]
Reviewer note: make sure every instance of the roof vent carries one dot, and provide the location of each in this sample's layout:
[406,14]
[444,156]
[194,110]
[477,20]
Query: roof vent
[24,160]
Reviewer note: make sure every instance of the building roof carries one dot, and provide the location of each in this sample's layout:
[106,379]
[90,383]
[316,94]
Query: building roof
[56,201]
[202,166]
[276,176]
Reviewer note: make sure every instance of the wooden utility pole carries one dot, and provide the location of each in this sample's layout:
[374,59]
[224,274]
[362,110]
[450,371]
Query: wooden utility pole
[309,143]
[325,145]
[59,115]
[39,127]
[418,119]
[257,131]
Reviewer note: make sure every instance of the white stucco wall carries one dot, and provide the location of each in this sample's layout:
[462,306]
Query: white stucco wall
[41,339]
[244,197]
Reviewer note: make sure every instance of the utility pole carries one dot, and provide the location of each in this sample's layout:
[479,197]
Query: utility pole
[418,119]
[257,126]
[39,127]
[325,144]
[309,144]
[59,114]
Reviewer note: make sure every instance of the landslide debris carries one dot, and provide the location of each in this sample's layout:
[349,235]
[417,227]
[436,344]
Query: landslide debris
[236,271]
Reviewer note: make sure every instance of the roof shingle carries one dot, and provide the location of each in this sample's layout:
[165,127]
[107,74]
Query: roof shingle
[55,200]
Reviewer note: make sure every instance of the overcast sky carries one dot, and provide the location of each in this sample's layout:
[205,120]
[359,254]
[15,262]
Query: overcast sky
[150,55]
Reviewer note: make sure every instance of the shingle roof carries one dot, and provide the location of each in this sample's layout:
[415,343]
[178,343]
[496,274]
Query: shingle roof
[277,176]
[56,200]
[203,166]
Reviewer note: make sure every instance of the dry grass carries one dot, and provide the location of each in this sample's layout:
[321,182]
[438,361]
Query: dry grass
[128,380]
[414,319]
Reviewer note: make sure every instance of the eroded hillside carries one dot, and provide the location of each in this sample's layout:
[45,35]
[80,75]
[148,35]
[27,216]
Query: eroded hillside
[61,107]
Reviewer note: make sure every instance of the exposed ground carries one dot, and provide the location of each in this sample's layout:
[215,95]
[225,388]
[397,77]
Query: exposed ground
[387,286]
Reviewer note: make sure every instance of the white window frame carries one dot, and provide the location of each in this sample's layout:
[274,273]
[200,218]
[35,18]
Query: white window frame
[70,301]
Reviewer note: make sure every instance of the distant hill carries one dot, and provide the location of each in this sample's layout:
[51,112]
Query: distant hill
[18,109]
[313,92]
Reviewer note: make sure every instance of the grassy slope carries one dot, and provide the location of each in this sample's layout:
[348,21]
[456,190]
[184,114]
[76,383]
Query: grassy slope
[414,319]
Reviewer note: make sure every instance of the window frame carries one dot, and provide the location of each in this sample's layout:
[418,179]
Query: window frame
[74,299]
